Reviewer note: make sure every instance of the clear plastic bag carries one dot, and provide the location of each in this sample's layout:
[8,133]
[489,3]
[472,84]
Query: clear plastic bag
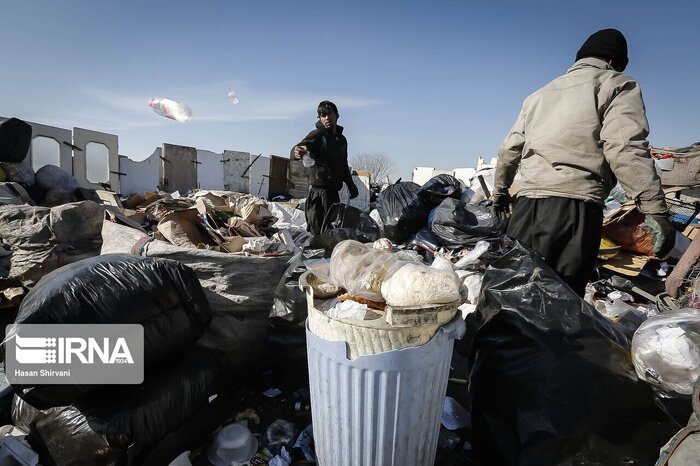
[361,269]
[666,351]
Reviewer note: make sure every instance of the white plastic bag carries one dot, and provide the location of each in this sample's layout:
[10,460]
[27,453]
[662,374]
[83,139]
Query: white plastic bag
[361,269]
[472,257]
[350,310]
[666,351]
[410,284]
[171,109]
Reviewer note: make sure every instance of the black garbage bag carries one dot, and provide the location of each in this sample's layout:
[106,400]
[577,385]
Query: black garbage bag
[458,224]
[345,222]
[163,295]
[403,211]
[15,138]
[289,301]
[551,380]
[440,187]
[122,425]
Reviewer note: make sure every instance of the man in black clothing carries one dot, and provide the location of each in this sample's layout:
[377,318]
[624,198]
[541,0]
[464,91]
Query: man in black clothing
[328,149]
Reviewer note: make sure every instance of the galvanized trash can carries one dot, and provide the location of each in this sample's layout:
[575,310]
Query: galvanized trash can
[376,397]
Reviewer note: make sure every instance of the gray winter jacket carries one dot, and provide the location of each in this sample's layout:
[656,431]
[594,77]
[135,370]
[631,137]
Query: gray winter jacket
[579,133]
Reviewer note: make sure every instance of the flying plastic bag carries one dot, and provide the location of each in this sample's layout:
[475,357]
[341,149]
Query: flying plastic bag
[171,109]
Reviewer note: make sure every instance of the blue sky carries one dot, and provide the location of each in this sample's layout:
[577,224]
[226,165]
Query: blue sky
[427,83]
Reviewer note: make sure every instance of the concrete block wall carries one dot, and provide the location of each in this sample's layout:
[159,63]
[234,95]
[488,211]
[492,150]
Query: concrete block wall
[170,167]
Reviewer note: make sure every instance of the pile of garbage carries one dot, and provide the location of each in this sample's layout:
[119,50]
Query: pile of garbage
[428,226]
[219,221]
[234,297]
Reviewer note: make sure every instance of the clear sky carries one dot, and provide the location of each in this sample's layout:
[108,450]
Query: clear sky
[428,83]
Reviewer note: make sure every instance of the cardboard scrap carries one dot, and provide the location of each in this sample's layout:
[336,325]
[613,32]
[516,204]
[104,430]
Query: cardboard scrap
[234,244]
[626,263]
[180,228]
[133,201]
[110,198]
[242,228]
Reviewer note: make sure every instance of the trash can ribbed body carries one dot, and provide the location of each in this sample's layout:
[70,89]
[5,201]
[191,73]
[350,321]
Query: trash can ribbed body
[381,409]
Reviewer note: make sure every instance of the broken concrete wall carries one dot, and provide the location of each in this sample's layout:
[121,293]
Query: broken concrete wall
[235,164]
[210,173]
[259,176]
[464,174]
[422,174]
[140,176]
[96,159]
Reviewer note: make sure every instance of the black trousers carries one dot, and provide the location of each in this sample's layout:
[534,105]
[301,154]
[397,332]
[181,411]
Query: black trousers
[566,232]
[318,203]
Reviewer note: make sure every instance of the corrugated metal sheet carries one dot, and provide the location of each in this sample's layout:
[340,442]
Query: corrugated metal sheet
[382,409]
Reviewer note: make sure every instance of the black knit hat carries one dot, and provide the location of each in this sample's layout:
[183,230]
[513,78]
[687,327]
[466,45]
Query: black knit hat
[606,43]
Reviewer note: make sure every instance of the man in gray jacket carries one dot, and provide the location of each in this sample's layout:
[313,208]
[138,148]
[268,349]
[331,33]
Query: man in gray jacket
[573,138]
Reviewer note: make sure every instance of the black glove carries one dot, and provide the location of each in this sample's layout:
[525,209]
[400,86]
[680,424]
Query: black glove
[664,234]
[501,204]
[353,191]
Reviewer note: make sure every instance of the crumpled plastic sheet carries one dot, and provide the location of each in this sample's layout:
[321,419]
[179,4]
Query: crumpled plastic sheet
[349,310]
[287,217]
[305,442]
[472,257]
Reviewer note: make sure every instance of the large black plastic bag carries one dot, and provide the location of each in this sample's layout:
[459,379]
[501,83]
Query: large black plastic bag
[458,224]
[15,138]
[123,424]
[551,381]
[161,294]
[345,222]
[440,187]
[403,211]
[290,302]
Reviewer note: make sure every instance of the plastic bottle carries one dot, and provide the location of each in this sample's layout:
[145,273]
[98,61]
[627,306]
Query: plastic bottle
[171,109]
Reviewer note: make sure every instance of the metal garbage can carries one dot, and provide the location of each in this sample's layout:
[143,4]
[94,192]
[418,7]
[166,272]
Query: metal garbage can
[377,387]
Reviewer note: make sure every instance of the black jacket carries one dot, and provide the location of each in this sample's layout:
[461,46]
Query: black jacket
[330,152]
